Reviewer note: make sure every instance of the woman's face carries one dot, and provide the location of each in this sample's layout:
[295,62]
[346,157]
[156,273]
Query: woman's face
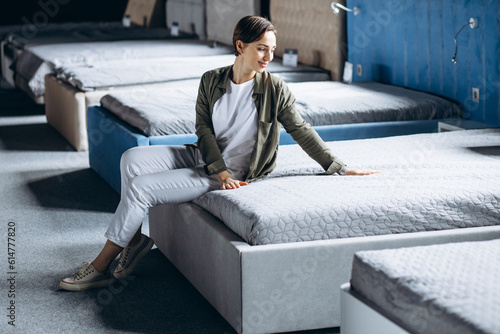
[258,54]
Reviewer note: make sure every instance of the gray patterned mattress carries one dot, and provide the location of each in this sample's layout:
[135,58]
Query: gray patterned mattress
[106,74]
[449,288]
[155,111]
[35,62]
[428,182]
[369,102]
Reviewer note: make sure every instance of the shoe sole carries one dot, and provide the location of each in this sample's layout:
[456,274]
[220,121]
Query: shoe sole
[125,272]
[87,286]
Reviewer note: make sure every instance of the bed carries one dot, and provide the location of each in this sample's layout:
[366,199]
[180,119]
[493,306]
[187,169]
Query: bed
[35,62]
[450,288]
[71,89]
[17,41]
[337,111]
[271,256]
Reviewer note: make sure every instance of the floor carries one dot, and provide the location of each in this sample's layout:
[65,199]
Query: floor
[60,208]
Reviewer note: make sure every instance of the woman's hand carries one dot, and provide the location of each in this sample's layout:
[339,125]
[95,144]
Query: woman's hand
[227,182]
[360,171]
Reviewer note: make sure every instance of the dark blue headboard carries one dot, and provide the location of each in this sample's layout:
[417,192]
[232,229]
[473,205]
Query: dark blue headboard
[410,43]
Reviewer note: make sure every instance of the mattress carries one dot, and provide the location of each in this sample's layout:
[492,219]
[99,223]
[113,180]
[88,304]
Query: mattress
[35,62]
[157,112]
[126,72]
[450,288]
[319,103]
[22,36]
[338,103]
[428,182]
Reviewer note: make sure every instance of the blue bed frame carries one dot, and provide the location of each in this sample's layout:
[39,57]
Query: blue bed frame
[110,137]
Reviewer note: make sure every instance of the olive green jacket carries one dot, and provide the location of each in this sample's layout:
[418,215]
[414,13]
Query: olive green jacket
[276,106]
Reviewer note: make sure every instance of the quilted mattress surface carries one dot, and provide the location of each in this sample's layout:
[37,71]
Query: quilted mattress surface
[102,75]
[35,62]
[449,288]
[339,103]
[319,102]
[428,182]
[157,112]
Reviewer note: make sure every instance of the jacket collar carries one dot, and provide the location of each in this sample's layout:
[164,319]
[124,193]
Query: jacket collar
[258,87]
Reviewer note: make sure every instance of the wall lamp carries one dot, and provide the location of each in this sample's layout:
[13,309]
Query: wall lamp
[473,23]
[336,8]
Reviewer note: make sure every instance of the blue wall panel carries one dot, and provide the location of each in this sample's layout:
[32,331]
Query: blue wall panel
[410,43]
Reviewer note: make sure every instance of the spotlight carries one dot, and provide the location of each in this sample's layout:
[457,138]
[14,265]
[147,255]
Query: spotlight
[336,8]
[473,23]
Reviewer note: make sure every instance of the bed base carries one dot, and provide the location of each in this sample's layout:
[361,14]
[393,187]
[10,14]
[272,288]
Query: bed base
[273,288]
[66,110]
[358,316]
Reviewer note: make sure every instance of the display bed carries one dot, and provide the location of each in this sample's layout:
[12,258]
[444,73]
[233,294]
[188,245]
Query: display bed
[70,91]
[336,110]
[449,288]
[17,41]
[34,63]
[271,256]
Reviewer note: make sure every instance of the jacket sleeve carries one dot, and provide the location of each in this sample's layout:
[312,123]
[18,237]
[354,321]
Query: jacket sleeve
[303,133]
[207,144]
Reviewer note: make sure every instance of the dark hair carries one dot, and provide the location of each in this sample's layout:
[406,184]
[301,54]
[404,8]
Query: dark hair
[250,29]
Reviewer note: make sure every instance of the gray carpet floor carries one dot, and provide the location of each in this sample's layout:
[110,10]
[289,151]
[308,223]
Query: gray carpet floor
[60,209]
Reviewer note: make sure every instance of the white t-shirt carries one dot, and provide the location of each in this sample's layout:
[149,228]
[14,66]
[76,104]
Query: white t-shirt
[235,120]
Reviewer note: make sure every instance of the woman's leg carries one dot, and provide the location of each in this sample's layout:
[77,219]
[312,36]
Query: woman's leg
[144,191]
[108,253]
[156,175]
[151,176]
[138,161]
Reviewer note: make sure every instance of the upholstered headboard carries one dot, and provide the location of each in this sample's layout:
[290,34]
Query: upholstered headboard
[222,16]
[311,28]
[189,15]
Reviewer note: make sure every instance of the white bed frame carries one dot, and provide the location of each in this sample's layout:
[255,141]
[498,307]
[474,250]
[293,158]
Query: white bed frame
[273,288]
[359,317]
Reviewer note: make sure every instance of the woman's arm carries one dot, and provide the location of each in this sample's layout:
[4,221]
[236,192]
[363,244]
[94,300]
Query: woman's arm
[303,133]
[207,144]
[308,138]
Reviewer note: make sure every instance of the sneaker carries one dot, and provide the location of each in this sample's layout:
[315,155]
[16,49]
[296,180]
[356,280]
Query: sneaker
[86,278]
[131,255]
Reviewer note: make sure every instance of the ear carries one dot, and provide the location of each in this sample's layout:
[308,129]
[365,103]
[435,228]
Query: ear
[240,46]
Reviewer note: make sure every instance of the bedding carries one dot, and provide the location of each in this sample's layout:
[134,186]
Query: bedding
[450,288]
[35,62]
[428,182]
[319,103]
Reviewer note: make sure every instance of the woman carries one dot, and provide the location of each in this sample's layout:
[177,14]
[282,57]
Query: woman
[239,112]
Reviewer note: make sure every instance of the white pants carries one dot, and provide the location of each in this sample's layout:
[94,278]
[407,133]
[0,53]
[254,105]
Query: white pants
[154,175]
